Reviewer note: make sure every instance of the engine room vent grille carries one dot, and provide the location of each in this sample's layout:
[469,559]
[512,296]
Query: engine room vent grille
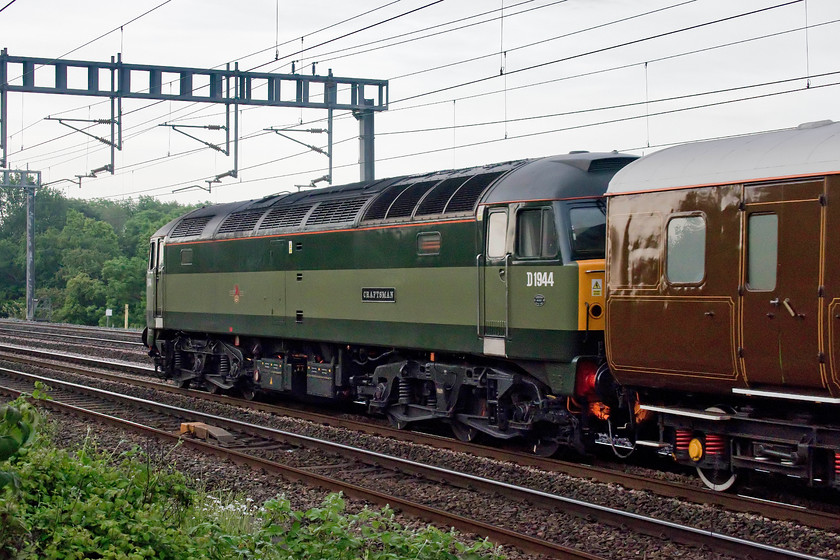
[190,226]
[466,197]
[284,216]
[240,221]
[435,201]
[379,207]
[609,164]
[336,211]
[404,204]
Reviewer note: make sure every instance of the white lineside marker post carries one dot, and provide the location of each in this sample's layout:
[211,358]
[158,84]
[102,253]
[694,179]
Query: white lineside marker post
[126,316]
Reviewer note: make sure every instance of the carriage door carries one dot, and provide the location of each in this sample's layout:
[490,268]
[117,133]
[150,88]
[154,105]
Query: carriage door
[781,305]
[493,281]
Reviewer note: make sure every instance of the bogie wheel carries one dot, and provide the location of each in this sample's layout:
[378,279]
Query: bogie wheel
[717,479]
[183,383]
[397,422]
[546,447]
[213,389]
[248,392]
[463,432]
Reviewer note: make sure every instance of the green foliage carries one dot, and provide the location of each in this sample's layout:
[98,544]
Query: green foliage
[329,533]
[76,505]
[89,504]
[18,421]
[89,255]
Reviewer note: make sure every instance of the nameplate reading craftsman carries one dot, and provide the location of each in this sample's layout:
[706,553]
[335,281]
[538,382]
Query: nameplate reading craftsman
[387,295]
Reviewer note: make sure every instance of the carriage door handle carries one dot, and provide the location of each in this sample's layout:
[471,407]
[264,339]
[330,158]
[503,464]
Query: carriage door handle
[775,302]
[788,306]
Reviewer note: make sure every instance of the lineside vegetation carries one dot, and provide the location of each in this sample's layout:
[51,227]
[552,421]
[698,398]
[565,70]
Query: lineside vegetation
[86,503]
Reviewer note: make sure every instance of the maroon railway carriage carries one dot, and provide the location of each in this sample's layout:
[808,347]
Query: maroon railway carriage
[723,301]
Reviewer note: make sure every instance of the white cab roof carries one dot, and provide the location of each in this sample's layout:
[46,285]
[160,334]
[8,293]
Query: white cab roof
[809,149]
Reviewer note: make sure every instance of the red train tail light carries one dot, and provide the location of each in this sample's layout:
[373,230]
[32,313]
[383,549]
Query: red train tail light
[585,378]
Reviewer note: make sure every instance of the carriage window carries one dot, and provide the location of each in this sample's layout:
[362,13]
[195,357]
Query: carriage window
[762,251]
[186,257]
[686,257]
[536,235]
[588,225]
[496,233]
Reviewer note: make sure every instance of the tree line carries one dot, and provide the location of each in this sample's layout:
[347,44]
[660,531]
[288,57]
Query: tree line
[90,255]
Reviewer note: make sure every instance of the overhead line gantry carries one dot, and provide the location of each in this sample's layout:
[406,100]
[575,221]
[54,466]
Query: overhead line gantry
[229,86]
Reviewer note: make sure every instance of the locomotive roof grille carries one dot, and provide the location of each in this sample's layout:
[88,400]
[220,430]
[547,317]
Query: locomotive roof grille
[403,205]
[241,221]
[609,164]
[466,197]
[336,211]
[189,227]
[380,205]
[435,201]
[284,216]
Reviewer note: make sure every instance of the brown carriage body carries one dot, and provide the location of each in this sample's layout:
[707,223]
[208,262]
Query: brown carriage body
[722,267]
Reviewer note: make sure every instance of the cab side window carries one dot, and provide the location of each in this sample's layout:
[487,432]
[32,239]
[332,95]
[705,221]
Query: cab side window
[536,234]
[496,233]
[152,259]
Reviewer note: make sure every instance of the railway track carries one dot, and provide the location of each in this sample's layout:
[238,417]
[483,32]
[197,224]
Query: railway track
[72,333]
[607,475]
[251,444]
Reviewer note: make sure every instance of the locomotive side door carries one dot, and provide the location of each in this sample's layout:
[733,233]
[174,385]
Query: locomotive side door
[279,251]
[158,283]
[782,274]
[493,267]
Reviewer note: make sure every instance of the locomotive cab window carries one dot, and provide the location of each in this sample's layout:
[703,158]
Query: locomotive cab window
[186,257]
[496,235]
[686,253]
[536,234]
[762,251]
[152,255]
[588,231]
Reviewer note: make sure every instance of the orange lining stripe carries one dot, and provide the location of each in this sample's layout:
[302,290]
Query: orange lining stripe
[591,197]
[423,224]
[725,183]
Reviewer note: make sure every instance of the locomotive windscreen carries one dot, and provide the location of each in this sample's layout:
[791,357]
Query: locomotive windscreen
[588,231]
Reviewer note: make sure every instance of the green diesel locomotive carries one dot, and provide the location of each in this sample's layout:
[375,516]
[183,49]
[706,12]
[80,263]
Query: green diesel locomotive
[473,297]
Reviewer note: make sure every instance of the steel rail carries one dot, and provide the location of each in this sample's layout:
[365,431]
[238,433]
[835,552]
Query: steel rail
[731,502]
[609,515]
[434,515]
[35,334]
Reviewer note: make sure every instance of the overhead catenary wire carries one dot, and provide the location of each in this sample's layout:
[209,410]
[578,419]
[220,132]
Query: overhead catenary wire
[471,96]
[480,143]
[491,54]
[596,109]
[7,5]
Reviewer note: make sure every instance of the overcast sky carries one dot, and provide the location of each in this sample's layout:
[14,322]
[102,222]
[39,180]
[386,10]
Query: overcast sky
[549,77]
